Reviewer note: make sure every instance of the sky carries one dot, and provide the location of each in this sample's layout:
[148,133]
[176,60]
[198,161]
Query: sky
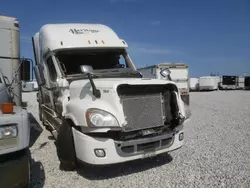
[211,36]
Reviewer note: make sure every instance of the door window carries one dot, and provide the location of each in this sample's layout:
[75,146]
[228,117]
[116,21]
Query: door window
[52,69]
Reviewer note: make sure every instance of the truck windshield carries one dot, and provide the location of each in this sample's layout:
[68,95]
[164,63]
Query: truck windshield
[106,63]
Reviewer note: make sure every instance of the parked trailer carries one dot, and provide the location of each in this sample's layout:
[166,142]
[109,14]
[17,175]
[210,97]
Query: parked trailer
[228,82]
[247,83]
[240,82]
[208,83]
[179,74]
[193,84]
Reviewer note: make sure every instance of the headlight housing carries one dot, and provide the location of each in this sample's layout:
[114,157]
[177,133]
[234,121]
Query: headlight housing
[100,118]
[8,131]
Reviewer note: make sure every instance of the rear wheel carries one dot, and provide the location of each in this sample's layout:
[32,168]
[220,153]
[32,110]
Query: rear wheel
[65,147]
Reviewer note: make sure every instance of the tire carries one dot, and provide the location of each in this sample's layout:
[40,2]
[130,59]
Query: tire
[28,182]
[65,147]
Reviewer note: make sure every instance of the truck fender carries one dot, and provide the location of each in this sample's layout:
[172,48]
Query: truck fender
[71,117]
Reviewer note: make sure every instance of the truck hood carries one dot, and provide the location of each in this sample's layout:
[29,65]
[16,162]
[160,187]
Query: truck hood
[112,83]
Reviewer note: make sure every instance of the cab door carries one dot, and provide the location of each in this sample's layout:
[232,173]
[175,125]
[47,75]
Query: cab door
[50,89]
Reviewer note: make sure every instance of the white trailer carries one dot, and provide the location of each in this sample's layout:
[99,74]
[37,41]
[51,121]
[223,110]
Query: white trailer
[208,83]
[98,107]
[228,82]
[193,84]
[179,75]
[240,82]
[14,121]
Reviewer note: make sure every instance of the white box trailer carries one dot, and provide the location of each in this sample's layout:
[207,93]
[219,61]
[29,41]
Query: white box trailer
[247,83]
[240,82]
[96,104]
[208,83]
[14,119]
[228,82]
[179,74]
[193,84]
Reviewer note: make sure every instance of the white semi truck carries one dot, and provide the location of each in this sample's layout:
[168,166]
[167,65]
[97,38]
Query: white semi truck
[179,74]
[14,120]
[98,107]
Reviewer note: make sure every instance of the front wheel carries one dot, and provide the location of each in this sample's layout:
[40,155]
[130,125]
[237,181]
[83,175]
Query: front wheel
[65,147]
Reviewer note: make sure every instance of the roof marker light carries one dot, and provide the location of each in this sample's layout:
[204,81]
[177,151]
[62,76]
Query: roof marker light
[96,42]
[103,42]
[123,42]
[89,42]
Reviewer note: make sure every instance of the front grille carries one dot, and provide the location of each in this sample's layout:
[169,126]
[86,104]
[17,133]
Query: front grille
[143,111]
[139,146]
[148,146]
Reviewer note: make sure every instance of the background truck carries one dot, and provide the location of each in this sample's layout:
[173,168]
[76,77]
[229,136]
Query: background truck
[179,74]
[228,82]
[96,104]
[247,83]
[14,120]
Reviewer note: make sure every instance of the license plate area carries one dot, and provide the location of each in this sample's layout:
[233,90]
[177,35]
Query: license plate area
[149,154]
[148,146]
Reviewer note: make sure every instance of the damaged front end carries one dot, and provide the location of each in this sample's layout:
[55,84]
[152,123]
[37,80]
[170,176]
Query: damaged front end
[151,106]
[154,117]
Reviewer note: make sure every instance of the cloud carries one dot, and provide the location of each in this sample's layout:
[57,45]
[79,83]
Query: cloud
[148,48]
[125,1]
[25,39]
[155,23]
[153,50]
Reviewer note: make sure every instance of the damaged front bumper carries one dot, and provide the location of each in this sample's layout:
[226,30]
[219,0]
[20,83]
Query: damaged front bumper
[122,151]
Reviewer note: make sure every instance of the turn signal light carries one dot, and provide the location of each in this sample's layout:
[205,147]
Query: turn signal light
[7,108]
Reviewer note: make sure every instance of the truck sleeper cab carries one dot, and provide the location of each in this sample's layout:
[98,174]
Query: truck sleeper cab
[98,107]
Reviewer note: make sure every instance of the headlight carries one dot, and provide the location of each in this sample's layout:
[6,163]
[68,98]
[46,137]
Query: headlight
[8,131]
[100,118]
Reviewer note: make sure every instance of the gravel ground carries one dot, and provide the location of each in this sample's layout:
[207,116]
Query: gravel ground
[216,151]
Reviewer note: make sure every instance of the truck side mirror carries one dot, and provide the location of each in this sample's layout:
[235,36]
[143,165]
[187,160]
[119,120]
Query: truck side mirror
[86,69]
[166,73]
[38,69]
[25,69]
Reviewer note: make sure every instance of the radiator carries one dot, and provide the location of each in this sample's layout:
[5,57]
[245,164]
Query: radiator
[143,111]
